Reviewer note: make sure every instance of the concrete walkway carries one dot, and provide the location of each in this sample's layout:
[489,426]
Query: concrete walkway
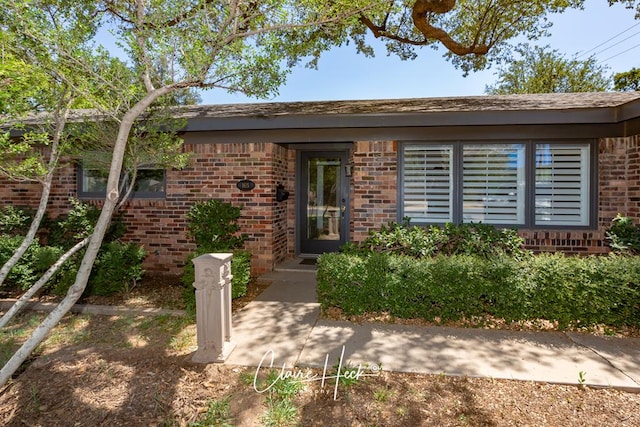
[283,323]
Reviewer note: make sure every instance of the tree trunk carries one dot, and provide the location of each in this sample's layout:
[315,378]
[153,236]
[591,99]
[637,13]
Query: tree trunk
[61,121]
[24,299]
[110,202]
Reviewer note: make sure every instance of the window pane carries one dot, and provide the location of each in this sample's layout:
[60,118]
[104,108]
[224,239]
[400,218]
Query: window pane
[149,181]
[493,187]
[427,183]
[94,181]
[562,184]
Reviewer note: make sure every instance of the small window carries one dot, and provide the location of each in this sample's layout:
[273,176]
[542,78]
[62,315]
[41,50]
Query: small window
[150,183]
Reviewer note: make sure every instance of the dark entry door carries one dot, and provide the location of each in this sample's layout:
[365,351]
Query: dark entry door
[324,201]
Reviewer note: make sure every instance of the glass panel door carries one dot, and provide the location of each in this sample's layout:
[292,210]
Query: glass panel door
[323,225]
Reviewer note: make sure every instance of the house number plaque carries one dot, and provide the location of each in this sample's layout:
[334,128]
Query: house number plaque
[245,185]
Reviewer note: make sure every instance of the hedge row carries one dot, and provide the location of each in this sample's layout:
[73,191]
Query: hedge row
[569,290]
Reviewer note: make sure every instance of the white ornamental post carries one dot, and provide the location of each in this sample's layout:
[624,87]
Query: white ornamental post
[213,308]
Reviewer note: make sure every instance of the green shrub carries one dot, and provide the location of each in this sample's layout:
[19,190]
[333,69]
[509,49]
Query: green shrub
[241,272]
[623,235]
[567,290]
[118,265]
[117,268]
[66,277]
[481,239]
[22,275]
[15,220]
[418,242]
[66,230]
[214,227]
[584,290]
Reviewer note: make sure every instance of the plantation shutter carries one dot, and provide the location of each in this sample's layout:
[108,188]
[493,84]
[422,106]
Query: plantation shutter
[493,184]
[427,183]
[562,184]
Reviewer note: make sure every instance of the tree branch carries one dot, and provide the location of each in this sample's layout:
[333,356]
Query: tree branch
[140,41]
[421,10]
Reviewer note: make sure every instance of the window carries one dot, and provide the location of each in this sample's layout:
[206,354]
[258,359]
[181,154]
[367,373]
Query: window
[527,184]
[427,183]
[493,183]
[562,184]
[92,183]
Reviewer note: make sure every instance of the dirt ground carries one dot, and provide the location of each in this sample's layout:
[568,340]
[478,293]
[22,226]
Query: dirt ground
[136,371]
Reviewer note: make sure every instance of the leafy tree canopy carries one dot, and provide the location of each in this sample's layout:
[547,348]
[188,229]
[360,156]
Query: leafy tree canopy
[628,80]
[629,4]
[474,32]
[540,70]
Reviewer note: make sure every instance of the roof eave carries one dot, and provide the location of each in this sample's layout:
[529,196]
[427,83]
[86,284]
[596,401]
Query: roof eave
[606,115]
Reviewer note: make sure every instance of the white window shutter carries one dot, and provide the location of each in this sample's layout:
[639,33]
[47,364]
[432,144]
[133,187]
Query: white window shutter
[427,183]
[562,184]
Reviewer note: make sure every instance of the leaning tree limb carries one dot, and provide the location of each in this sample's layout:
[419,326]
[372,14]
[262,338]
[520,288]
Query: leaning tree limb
[24,299]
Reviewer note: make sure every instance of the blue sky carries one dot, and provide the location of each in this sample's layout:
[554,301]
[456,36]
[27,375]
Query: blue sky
[344,75]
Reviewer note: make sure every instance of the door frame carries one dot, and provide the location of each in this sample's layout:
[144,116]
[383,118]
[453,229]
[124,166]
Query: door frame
[338,150]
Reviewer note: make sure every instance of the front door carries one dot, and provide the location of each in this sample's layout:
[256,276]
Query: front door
[324,199]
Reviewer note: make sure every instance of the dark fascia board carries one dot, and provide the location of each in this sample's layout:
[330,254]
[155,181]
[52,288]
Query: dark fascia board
[534,109]
[463,111]
[436,133]
[465,118]
[629,111]
[632,127]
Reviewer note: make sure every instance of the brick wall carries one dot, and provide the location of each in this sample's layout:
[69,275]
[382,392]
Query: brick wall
[215,170]
[160,225]
[373,186]
[633,177]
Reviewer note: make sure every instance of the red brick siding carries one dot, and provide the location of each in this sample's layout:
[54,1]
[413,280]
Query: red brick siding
[633,177]
[160,225]
[374,186]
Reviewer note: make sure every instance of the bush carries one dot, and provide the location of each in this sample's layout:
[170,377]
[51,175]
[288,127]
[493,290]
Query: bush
[15,220]
[33,264]
[66,230]
[118,265]
[117,268]
[470,239]
[623,235]
[22,275]
[214,227]
[567,290]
